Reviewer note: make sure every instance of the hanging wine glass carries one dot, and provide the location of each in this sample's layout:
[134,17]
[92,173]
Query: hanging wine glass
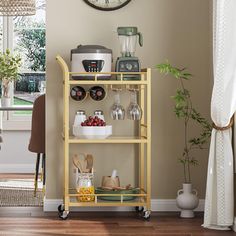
[117,110]
[134,112]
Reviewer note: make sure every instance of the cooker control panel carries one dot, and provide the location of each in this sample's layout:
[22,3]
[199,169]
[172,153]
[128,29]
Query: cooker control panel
[93,65]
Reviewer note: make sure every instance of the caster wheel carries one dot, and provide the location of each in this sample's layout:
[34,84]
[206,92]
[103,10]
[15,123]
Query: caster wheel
[139,209]
[146,215]
[60,208]
[64,215]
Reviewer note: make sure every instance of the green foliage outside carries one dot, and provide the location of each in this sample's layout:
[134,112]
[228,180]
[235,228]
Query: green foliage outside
[185,111]
[32,43]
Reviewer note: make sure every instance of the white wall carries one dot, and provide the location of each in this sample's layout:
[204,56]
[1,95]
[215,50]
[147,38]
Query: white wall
[14,156]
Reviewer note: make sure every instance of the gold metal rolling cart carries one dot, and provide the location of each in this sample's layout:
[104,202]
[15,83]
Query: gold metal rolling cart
[142,202]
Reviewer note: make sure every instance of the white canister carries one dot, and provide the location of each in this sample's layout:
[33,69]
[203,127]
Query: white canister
[79,117]
[99,114]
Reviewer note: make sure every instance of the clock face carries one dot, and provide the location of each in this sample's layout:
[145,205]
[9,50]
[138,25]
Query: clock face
[107,5]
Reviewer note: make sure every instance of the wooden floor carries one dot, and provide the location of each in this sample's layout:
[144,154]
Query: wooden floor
[33,222]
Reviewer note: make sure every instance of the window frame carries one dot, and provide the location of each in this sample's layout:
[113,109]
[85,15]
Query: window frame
[10,120]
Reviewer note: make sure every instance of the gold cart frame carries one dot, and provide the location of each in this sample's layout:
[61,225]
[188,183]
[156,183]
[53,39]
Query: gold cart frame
[143,140]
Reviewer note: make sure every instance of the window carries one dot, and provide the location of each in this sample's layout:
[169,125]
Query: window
[1,33]
[25,35]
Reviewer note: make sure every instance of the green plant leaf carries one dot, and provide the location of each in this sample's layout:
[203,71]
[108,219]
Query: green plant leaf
[9,66]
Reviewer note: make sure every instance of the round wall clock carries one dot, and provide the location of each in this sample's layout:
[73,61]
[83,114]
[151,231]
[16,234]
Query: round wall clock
[107,5]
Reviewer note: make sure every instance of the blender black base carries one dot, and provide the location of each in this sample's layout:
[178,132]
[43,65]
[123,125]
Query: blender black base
[129,77]
[91,77]
[128,64]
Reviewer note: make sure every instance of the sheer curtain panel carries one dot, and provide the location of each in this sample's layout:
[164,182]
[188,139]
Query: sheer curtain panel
[219,204]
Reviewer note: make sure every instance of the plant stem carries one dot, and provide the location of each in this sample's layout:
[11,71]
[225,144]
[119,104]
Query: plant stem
[189,173]
[5,88]
[185,177]
[186,120]
[188,178]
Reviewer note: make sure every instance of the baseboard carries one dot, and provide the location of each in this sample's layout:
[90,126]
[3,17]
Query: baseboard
[159,205]
[169,205]
[17,168]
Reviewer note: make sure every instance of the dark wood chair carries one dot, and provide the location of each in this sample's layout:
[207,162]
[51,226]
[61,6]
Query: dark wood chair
[37,139]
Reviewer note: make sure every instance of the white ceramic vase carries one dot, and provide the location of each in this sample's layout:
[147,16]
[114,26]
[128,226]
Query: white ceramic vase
[6,102]
[187,200]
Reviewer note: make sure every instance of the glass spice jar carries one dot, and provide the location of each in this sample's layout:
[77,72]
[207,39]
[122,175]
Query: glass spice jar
[85,185]
[99,114]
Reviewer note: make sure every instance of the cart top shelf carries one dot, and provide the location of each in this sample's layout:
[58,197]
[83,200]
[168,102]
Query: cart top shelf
[144,78]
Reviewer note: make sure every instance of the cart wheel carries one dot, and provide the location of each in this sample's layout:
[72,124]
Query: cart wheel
[139,209]
[146,215]
[60,208]
[64,215]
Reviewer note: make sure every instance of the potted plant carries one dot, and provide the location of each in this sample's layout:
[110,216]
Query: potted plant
[187,199]
[9,67]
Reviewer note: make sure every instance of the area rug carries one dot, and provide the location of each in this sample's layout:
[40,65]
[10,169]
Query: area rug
[20,192]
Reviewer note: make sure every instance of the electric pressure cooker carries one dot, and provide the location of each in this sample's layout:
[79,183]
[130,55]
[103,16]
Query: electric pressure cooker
[91,58]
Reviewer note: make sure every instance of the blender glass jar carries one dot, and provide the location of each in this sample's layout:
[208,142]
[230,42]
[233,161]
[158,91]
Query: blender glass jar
[124,45]
[132,45]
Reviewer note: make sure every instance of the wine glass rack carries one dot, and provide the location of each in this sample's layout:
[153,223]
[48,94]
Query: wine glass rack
[142,202]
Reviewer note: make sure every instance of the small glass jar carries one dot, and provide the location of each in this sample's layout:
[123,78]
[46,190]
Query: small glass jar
[85,185]
[99,114]
[80,117]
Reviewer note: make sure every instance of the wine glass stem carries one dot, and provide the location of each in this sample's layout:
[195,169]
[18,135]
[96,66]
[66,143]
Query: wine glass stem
[117,98]
[133,97]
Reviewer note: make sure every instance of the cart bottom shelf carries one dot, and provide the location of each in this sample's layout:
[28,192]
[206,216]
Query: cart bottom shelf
[131,199]
[140,206]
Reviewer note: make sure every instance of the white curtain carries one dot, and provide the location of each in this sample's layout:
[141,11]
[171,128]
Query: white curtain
[219,205]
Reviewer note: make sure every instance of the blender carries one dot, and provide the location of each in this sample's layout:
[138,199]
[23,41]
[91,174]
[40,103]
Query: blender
[128,37]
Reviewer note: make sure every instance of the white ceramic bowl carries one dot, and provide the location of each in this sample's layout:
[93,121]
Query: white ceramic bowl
[92,132]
